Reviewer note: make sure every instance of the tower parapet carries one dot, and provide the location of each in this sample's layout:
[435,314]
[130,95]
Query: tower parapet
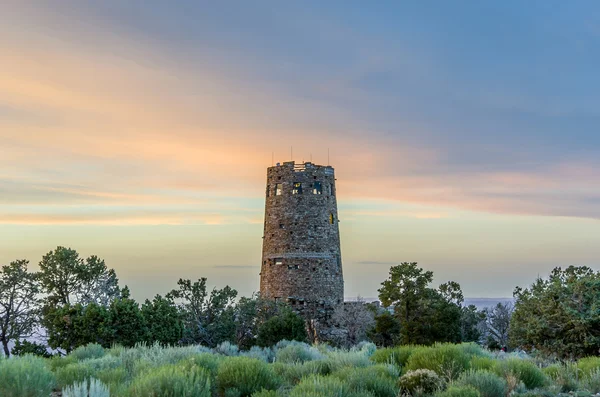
[301,258]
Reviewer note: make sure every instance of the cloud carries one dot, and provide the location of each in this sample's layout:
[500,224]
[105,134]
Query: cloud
[377,263]
[235,267]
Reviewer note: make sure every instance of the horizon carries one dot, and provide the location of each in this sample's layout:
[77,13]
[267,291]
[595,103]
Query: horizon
[463,136]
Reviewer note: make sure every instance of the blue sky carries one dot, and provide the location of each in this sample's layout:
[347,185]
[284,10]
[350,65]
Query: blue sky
[464,134]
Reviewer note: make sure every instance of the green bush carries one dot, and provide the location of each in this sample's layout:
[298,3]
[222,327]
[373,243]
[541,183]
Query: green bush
[459,391]
[487,383]
[447,360]
[171,381]
[25,376]
[393,355]
[485,363]
[591,382]
[73,373]
[421,381]
[525,371]
[208,361]
[293,372]
[246,374]
[297,352]
[26,347]
[342,358]
[91,388]
[588,364]
[371,379]
[266,393]
[319,386]
[566,377]
[92,350]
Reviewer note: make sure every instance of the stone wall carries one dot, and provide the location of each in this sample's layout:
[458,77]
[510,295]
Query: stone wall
[301,261]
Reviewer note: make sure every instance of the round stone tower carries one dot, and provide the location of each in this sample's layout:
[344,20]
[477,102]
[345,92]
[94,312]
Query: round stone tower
[301,257]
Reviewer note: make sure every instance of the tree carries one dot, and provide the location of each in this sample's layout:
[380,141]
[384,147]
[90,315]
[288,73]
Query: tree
[250,314]
[208,318]
[19,302]
[356,319]
[286,325]
[497,324]
[386,331]
[559,315]
[426,315]
[26,347]
[472,324]
[69,279]
[127,323]
[163,321]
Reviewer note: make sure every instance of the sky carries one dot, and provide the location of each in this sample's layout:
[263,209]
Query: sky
[464,134]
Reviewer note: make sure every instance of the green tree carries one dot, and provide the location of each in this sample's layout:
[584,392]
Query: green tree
[559,315]
[472,322]
[163,321]
[208,318]
[426,315]
[127,323]
[69,279]
[285,325]
[386,331]
[497,324]
[19,302]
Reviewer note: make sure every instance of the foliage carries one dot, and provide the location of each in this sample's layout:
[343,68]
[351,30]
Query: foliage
[292,373]
[393,355]
[381,383]
[497,324]
[588,365]
[523,370]
[459,391]
[92,350]
[286,325]
[266,393]
[69,279]
[487,383]
[565,377]
[91,388]
[19,302]
[591,381]
[25,376]
[421,381]
[319,386]
[250,314]
[559,315]
[126,320]
[26,347]
[163,321]
[426,315]
[472,323]
[246,374]
[386,330]
[447,360]
[208,318]
[171,381]
[356,319]
[297,352]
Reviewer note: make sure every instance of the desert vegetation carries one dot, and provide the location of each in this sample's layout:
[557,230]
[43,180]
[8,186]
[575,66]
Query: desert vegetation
[94,339]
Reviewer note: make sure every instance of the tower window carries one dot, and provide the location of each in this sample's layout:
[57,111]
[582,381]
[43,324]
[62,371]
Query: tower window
[317,188]
[331,218]
[293,267]
[278,189]
[279,261]
[281,226]
[297,188]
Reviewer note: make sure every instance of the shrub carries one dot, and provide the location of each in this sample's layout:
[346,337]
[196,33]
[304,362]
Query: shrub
[92,350]
[486,363]
[371,379]
[342,358]
[525,371]
[26,347]
[297,352]
[393,355]
[208,361]
[369,348]
[171,381]
[248,375]
[262,353]
[319,386]
[487,383]
[592,381]
[93,388]
[446,360]
[588,364]
[25,376]
[266,393]
[293,372]
[287,325]
[421,380]
[566,377]
[227,349]
[459,391]
[72,373]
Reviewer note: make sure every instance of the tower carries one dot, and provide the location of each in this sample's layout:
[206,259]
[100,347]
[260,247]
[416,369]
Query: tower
[301,257]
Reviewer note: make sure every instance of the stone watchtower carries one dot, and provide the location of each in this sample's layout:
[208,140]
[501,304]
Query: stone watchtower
[301,257]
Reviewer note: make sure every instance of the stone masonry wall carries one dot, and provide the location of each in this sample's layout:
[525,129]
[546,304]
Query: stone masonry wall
[301,261]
